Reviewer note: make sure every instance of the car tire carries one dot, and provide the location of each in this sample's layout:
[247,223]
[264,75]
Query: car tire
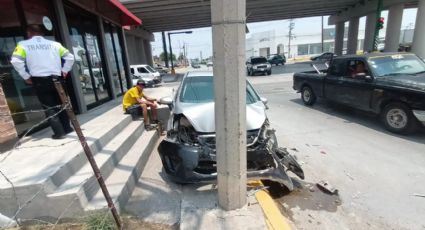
[269,72]
[307,96]
[249,72]
[398,118]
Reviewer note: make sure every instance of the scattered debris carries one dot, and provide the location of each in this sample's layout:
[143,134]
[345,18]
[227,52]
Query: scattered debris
[322,152]
[307,145]
[349,176]
[419,195]
[311,189]
[326,187]
[294,149]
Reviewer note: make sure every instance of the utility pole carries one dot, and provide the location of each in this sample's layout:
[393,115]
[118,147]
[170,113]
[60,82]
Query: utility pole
[323,45]
[164,46]
[377,29]
[290,36]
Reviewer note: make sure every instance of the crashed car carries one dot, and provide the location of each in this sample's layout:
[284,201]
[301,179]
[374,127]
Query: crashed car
[188,152]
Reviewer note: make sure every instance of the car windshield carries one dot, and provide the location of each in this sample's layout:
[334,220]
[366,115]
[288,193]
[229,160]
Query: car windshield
[150,69]
[396,65]
[258,60]
[200,89]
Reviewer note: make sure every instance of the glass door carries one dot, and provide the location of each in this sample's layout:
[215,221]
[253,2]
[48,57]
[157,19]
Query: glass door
[84,31]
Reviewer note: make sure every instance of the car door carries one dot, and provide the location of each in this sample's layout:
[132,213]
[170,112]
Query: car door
[143,72]
[354,91]
[333,80]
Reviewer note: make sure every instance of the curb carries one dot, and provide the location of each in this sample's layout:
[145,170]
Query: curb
[274,218]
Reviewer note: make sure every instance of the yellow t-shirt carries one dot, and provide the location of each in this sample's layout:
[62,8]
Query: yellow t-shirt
[130,97]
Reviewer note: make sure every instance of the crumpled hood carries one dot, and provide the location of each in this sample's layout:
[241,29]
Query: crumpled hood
[202,116]
[415,82]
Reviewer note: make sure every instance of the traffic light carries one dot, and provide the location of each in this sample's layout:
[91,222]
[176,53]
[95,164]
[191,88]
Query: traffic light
[380,23]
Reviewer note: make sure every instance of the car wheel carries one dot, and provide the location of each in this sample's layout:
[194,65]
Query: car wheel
[398,118]
[307,95]
[248,72]
[269,72]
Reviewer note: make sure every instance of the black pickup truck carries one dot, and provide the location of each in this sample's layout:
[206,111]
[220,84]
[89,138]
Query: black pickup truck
[391,85]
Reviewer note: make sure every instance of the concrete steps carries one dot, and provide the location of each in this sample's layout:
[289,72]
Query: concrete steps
[123,178]
[83,183]
[61,175]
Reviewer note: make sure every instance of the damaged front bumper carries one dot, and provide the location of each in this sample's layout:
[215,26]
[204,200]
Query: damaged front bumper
[197,163]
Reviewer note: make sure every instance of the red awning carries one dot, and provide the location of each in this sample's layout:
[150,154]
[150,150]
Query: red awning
[127,18]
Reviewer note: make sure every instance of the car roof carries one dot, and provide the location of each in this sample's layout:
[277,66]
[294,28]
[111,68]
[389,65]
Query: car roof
[199,74]
[369,55]
[141,65]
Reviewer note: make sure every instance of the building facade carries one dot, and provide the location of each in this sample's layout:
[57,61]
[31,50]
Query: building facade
[92,30]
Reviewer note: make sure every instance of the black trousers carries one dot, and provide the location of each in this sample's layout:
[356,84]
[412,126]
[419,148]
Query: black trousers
[49,97]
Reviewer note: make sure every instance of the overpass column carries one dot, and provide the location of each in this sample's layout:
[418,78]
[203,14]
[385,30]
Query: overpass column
[370,32]
[228,36]
[339,38]
[353,34]
[418,45]
[392,37]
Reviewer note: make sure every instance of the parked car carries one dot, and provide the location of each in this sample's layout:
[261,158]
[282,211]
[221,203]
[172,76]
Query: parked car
[161,69]
[188,152]
[148,81]
[195,65]
[324,57]
[210,64]
[391,85]
[277,59]
[145,72]
[258,65]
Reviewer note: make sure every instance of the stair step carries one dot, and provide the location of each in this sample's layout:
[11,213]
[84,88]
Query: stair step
[98,134]
[83,183]
[123,178]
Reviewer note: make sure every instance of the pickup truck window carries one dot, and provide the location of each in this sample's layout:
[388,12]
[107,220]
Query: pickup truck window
[396,64]
[338,67]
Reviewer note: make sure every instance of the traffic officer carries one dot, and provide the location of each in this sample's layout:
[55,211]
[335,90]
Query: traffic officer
[38,61]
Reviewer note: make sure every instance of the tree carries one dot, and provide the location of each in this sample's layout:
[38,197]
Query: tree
[181,57]
[162,57]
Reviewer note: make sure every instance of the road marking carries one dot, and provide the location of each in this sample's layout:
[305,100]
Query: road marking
[274,218]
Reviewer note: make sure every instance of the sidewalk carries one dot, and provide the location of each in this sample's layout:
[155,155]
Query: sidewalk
[158,200]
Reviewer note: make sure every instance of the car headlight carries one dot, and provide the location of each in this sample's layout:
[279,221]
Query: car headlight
[268,65]
[254,67]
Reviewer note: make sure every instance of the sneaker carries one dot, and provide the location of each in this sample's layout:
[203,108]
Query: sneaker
[57,137]
[156,121]
[150,127]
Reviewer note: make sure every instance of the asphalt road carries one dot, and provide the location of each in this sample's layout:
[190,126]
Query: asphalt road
[377,173]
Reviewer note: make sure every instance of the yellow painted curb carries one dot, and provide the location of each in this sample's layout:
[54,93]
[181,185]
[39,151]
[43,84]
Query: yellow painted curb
[274,218]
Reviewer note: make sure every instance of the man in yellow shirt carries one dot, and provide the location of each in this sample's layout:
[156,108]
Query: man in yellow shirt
[135,101]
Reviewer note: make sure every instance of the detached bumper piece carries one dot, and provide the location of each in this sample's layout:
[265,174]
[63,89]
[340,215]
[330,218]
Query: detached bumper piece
[197,164]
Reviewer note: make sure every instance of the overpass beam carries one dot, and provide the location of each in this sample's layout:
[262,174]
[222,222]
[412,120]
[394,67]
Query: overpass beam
[418,45]
[392,37]
[339,38]
[369,32]
[228,36]
[353,34]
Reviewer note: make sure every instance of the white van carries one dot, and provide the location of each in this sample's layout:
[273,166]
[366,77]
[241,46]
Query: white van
[146,73]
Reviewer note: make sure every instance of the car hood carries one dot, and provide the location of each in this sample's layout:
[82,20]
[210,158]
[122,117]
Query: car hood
[415,82]
[202,115]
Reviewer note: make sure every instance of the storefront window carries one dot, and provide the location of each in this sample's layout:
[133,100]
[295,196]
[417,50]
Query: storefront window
[84,32]
[119,54]
[115,62]
[20,97]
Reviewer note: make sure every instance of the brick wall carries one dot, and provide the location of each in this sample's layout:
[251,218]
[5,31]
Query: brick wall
[7,127]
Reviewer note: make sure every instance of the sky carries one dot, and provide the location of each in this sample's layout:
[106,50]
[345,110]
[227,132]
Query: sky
[200,41]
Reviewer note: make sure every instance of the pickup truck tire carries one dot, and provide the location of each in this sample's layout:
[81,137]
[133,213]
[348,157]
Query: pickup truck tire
[398,118]
[308,96]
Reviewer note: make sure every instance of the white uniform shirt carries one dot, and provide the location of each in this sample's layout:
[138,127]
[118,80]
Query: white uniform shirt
[39,57]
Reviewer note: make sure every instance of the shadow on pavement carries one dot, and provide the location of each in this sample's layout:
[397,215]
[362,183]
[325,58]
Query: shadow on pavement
[365,119]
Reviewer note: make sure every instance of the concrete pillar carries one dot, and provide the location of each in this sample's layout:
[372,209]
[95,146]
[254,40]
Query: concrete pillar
[418,45]
[124,50]
[148,52]
[392,36]
[339,37]
[369,32]
[7,127]
[228,36]
[353,33]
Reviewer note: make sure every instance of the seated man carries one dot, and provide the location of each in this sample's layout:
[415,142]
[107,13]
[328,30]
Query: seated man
[360,70]
[135,101]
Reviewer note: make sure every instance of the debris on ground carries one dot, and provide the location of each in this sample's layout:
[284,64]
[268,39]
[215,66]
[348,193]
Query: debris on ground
[326,187]
[419,195]
[294,149]
[349,175]
[322,152]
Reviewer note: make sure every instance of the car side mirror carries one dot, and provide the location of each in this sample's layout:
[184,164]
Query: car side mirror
[368,78]
[166,101]
[265,101]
